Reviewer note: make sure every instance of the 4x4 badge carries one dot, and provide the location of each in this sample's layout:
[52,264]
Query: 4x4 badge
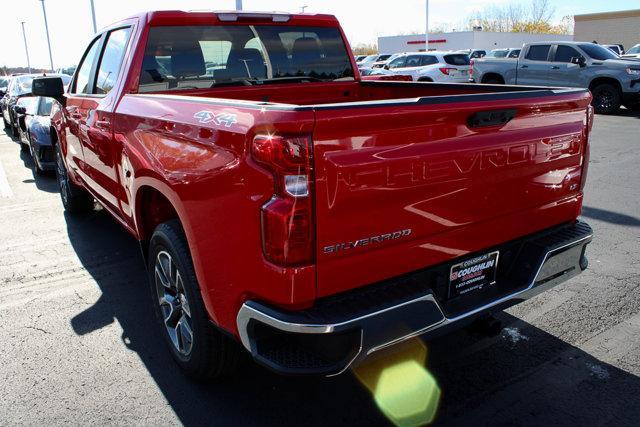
[221,119]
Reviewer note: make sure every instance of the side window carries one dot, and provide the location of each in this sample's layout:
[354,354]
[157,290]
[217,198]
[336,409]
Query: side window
[538,52]
[428,60]
[81,84]
[514,54]
[111,60]
[398,62]
[565,53]
[412,61]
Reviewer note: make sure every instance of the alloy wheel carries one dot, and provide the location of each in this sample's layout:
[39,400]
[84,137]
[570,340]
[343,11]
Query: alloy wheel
[174,305]
[61,174]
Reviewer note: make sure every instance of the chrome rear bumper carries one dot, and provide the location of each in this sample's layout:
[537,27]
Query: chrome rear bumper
[341,331]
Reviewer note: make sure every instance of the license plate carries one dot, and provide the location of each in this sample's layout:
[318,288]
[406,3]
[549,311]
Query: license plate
[473,275]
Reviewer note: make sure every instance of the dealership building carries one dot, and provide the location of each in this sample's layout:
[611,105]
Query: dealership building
[621,27]
[458,40]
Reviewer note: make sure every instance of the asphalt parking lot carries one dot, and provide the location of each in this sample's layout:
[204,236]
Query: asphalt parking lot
[79,346]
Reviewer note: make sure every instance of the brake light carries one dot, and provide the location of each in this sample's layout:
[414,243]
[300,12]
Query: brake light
[446,70]
[287,219]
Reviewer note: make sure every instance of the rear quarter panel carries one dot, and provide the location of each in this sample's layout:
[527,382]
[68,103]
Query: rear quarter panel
[203,167]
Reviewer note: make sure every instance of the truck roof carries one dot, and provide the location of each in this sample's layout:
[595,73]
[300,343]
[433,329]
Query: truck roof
[200,17]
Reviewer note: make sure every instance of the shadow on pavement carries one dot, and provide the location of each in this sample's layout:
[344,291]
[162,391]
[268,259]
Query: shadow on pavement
[44,182]
[525,376]
[611,217]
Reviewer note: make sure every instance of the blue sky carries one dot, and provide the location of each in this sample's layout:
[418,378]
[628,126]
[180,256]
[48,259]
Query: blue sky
[363,20]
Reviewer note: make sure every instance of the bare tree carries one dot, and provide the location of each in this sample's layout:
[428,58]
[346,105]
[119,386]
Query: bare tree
[517,18]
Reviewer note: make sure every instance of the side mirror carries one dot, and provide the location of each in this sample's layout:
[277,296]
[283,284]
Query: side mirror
[579,61]
[19,109]
[50,87]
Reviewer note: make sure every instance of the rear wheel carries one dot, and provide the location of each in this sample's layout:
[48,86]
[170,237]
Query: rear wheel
[200,350]
[74,198]
[493,81]
[606,99]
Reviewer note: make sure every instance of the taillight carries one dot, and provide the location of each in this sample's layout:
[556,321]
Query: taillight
[447,70]
[287,219]
[586,151]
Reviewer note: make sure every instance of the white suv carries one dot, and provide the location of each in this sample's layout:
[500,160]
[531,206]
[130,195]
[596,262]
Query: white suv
[450,67]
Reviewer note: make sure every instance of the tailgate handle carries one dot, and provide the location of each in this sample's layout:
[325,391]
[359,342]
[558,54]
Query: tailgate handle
[491,118]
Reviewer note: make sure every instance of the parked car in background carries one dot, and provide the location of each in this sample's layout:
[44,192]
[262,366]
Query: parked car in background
[382,74]
[473,53]
[618,49]
[68,71]
[359,58]
[432,66]
[35,130]
[369,60]
[613,81]
[248,190]
[503,53]
[20,87]
[4,83]
[19,113]
[633,53]
[381,61]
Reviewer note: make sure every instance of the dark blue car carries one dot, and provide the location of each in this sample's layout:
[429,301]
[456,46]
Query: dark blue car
[35,131]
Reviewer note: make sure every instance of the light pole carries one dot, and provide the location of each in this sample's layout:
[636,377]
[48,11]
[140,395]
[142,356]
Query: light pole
[93,16]
[302,8]
[427,32]
[46,27]
[238,4]
[26,49]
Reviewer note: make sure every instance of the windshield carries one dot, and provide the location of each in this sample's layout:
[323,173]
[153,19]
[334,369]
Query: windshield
[370,58]
[21,85]
[192,57]
[635,49]
[597,52]
[383,58]
[497,54]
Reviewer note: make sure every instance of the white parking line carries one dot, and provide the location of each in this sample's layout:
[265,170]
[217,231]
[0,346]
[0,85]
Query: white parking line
[5,188]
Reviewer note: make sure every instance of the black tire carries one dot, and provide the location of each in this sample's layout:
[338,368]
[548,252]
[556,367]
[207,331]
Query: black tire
[74,199]
[606,99]
[425,79]
[209,353]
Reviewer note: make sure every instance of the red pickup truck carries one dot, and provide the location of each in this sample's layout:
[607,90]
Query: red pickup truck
[283,203]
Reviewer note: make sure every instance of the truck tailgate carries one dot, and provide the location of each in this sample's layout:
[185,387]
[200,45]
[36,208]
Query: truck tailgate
[404,185]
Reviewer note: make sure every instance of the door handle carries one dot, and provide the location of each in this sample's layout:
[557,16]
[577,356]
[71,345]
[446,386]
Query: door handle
[525,66]
[555,67]
[103,124]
